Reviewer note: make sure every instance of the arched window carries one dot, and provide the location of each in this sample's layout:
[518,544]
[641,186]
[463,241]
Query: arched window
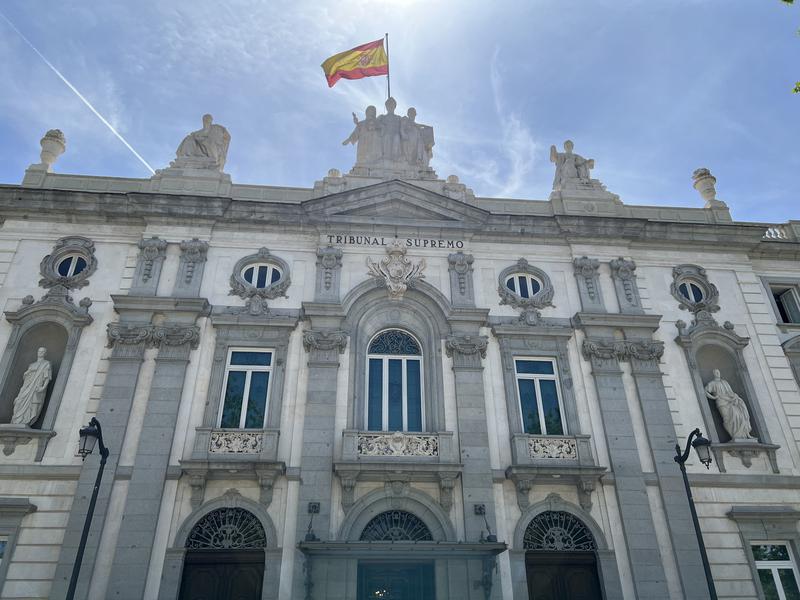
[558,531]
[394,383]
[227,529]
[396,526]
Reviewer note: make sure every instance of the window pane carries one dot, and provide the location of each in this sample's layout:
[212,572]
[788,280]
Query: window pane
[257,400]
[375,393]
[768,584]
[262,276]
[248,275]
[537,367]
[530,412]
[787,299]
[523,287]
[63,267]
[789,584]
[770,552]
[260,359]
[697,293]
[510,284]
[414,396]
[684,291]
[535,287]
[232,403]
[552,413]
[395,395]
[80,265]
[275,275]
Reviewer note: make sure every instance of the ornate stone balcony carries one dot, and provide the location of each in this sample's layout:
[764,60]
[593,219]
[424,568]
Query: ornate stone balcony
[567,459]
[242,453]
[397,457]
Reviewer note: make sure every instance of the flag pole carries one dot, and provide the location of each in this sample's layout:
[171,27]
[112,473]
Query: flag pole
[388,81]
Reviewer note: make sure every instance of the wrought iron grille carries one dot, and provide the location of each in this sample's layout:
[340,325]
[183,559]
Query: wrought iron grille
[227,529]
[394,341]
[558,531]
[395,526]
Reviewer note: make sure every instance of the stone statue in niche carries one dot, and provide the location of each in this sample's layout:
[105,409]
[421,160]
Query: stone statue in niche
[572,170]
[204,148]
[735,416]
[28,403]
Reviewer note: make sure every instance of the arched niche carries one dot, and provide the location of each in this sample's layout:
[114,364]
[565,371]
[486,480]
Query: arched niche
[707,347]
[423,312]
[55,323]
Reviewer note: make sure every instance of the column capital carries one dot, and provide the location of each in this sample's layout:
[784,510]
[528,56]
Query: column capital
[466,350]
[325,346]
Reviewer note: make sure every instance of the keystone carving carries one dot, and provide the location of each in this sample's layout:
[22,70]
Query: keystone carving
[395,271]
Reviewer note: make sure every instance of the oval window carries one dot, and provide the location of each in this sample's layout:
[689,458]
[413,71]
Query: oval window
[71,265]
[691,291]
[261,275]
[523,285]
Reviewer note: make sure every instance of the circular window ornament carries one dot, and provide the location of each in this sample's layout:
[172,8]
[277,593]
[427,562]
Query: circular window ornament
[526,288]
[260,277]
[70,264]
[692,289]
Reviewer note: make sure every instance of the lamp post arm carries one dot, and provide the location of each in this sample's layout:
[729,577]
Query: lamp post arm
[682,458]
[103,450]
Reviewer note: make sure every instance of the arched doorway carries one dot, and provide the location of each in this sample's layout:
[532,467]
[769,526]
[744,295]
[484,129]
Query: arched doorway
[388,579]
[560,558]
[224,557]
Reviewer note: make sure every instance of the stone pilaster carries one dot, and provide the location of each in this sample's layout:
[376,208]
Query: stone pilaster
[324,346]
[649,577]
[589,284]
[462,291]
[329,270]
[142,507]
[644,357]
[152,253]
[623,273]
[192,263]
[128,342]
[467,352]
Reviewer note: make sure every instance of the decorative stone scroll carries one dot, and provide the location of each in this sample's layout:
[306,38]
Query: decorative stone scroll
[329,268]
[623,273]
[461,289]
[588,284]
[194,254]
[397,444]
[152,253]
[395,271]
[553,448]
[235,442]
[466,350]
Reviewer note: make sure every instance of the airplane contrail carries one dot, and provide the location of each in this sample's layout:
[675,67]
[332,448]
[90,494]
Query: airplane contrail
[79,95]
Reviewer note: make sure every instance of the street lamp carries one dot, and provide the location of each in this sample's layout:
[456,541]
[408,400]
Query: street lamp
[90,436]
[703,448]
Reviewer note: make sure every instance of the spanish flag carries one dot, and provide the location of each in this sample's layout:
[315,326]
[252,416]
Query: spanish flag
[362,61]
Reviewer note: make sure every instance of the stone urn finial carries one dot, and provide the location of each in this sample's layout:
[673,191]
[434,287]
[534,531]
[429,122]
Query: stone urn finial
[704,183]
[53,145]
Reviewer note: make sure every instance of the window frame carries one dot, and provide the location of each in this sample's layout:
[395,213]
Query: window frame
[420,358]
[536,378]
[249,370]
[774,565]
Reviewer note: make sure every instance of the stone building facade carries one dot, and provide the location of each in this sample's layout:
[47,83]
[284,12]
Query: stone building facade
[383,386]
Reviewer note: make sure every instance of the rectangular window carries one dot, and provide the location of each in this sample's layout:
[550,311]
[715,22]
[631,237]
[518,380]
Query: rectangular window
[246,389]
[394,394]
[776,571]
[787,300]
[539,396]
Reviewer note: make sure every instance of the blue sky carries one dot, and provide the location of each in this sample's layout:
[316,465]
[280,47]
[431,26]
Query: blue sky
[651,89]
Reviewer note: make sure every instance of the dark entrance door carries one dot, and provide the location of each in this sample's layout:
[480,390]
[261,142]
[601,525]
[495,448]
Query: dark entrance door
[395,581]
[215,575]
[562,576]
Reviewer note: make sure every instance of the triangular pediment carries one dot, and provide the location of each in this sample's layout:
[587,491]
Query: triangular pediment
[393,202]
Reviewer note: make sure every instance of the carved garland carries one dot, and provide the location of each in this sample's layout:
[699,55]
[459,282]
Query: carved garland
[622,350]
[624,270]
[397,444]
[586,268]
[461,264]
[528,307]
[153,335]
